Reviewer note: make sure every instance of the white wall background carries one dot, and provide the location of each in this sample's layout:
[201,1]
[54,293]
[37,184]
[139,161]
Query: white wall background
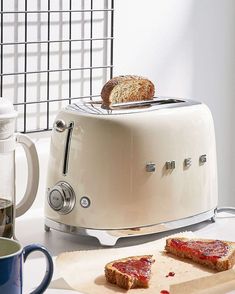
[187,48]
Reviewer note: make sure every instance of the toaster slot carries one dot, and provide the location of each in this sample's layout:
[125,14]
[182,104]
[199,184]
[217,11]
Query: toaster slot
[67,148]
[133,104]
[145,103]
[99,108]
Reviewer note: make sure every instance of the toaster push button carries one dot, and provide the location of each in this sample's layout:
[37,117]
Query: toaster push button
[85,202]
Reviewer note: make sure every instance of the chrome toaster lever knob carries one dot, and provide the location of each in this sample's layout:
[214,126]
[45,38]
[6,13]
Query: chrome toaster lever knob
[60,126]
[61,198]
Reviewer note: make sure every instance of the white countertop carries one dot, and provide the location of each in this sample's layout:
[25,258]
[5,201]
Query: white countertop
[30,229]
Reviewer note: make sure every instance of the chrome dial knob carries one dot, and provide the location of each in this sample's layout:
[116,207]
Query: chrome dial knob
[61,198]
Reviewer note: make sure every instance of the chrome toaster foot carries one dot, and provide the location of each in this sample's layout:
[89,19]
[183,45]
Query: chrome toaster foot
[110,237]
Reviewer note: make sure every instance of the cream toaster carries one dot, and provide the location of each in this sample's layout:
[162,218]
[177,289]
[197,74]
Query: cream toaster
[133,169]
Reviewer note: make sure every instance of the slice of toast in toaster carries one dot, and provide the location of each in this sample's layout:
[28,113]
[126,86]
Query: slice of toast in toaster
[127,88]
[130,272]
[215,254]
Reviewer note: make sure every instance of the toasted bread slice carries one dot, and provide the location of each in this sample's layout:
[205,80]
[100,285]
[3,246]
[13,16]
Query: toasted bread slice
[130,272]
[215,254]
[127,88]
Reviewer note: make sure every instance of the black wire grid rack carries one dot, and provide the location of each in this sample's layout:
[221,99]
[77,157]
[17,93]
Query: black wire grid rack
[53,53]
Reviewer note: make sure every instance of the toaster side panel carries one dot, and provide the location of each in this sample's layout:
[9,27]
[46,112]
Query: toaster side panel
[137,169]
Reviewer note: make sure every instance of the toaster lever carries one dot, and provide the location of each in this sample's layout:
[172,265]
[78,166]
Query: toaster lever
[60,126]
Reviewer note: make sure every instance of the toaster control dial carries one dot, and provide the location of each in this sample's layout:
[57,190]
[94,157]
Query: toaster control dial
[61,198]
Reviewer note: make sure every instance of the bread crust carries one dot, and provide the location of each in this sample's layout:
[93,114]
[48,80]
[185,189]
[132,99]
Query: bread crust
[123,280]
[127,88]
[221,264]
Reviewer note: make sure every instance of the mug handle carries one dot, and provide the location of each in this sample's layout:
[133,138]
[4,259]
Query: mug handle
[49,266]
[33,174]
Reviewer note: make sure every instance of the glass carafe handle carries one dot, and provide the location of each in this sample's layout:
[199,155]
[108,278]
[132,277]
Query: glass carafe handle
[33,174]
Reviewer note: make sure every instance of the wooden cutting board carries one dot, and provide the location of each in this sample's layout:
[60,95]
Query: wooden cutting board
[84,270]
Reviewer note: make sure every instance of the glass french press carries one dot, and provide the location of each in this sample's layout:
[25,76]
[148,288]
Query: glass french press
[8,140]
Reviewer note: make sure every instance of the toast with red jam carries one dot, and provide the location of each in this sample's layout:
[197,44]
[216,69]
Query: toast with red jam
[215,254]
[130,272]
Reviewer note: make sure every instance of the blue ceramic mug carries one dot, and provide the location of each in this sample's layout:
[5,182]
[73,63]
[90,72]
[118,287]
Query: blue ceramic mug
[12,256]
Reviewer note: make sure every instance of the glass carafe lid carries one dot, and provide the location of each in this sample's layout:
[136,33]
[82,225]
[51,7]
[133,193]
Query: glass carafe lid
[7,118]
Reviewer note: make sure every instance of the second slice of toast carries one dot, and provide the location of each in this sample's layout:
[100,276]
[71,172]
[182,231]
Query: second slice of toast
[215,254]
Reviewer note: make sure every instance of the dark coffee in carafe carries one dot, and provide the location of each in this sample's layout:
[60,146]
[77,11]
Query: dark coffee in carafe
[6,218]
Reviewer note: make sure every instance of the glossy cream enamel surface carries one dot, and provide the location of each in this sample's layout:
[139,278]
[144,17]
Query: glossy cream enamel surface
[107,160]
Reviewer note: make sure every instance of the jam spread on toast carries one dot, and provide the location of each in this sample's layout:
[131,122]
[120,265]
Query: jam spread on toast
[170,274]
[210,250]
[139,268]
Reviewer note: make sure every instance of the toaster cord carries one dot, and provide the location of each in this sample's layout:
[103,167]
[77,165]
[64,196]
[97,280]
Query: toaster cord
[226,209]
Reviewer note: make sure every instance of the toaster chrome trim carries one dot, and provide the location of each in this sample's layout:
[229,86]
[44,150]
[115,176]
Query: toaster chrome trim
[110,237]
[97,108]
